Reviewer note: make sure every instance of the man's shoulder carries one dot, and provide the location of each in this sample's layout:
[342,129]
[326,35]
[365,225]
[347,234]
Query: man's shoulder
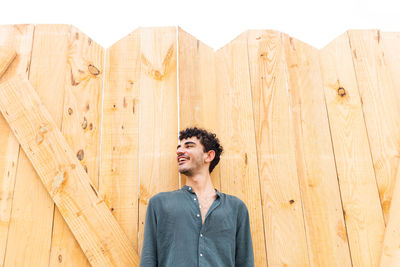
[234,201]
[163,196]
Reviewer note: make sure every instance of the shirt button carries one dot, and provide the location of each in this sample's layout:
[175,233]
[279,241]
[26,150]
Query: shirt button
[198,215]
[201,235]
[201,255]
[194,199]
[190,188]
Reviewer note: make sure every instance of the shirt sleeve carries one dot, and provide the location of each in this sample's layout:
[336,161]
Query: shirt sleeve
[244,248]
[149,249]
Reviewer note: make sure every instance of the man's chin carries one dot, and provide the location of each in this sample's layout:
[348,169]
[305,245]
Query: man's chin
[184,172]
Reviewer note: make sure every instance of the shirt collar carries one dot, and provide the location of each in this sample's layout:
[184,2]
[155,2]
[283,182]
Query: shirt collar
[190,189]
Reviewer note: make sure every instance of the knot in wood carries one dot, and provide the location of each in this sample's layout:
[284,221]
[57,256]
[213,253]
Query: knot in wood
[43,129]
[341,91]
[58,180]
[84,123]
[93,70]
[80,154]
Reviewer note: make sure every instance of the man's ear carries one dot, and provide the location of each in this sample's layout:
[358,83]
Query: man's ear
[210,156]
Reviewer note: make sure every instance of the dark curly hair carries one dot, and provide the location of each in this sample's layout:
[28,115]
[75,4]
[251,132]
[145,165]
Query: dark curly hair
[207,139]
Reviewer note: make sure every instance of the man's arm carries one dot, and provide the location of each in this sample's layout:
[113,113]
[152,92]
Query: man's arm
[244,247]
[149,249]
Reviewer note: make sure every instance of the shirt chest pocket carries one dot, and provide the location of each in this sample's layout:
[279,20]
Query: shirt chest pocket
[220,222]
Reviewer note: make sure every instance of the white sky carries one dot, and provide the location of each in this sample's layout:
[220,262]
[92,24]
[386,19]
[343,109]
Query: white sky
[215,23]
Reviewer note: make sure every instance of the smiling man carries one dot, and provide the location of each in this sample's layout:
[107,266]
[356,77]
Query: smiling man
[197,225]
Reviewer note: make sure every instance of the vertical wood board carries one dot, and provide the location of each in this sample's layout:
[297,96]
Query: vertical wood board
[363,213]
[93,225]
[380,107]
[20,37]
[32,211]
[81,129]
[239,169]
[325,227]
[158,114]
[197,89]
[119,174]
[282,204]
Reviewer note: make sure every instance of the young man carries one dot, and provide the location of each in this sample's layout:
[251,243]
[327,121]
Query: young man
[197,225]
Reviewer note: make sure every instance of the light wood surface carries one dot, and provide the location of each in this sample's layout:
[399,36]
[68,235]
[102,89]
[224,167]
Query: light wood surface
[7,54]
[381,108]
[239,168]
[363,214]
[81,129]
[20,38]
[197,89]
[283,212]
[29,238]
[311,139]
[391,246]
[325,227]
[119,170]
[158,126]
[66,181]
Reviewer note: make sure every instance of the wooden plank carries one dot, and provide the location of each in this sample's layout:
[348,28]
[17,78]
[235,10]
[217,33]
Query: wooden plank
[282,204]
[158,168]
[391,246]
[381,109]
[81,129]
[119,173]
[390,49]
[31,223]
[20,38]
[363,214]
[239,170]
[326,232]
[7,54]
[390,256]
[197,89]
[61,173]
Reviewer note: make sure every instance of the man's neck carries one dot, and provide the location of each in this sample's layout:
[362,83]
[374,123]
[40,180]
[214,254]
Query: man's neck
[201,184]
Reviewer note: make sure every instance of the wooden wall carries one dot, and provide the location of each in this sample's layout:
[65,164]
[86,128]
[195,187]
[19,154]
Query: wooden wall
[311,137]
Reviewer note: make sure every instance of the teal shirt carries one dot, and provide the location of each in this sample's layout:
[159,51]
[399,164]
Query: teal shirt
[174,235]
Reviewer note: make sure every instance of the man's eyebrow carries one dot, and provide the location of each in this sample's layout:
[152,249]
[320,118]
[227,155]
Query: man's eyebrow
[186,143]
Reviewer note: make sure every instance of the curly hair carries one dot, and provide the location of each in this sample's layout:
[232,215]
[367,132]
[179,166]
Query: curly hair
[207,139]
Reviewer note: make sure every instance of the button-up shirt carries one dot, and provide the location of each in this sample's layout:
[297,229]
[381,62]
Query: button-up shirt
[175,236]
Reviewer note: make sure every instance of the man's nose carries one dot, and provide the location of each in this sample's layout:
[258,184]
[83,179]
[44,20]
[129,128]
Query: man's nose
[179,151]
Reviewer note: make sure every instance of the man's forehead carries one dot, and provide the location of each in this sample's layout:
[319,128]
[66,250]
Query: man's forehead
[193,139]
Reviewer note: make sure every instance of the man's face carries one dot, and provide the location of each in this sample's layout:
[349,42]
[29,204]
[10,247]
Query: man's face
[190,156]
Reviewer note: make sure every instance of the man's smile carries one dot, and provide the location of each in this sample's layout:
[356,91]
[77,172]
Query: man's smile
[182,160]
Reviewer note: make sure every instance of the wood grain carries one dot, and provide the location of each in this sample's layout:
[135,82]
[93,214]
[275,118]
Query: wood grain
[32,223]
[119,170]
[380,107]
[68,184]
[281,202]
[197,89]
[20,38]
[363,214]
[238,165]
[391,246]
[325,228]
[7,54]
[158,130]
[81,129]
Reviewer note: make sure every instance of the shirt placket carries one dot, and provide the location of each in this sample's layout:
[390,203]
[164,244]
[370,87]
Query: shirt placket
[202,237]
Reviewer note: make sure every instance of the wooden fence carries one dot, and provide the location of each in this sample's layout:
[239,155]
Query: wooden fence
[311,138]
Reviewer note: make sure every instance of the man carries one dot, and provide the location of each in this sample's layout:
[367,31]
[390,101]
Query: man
[197,225]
